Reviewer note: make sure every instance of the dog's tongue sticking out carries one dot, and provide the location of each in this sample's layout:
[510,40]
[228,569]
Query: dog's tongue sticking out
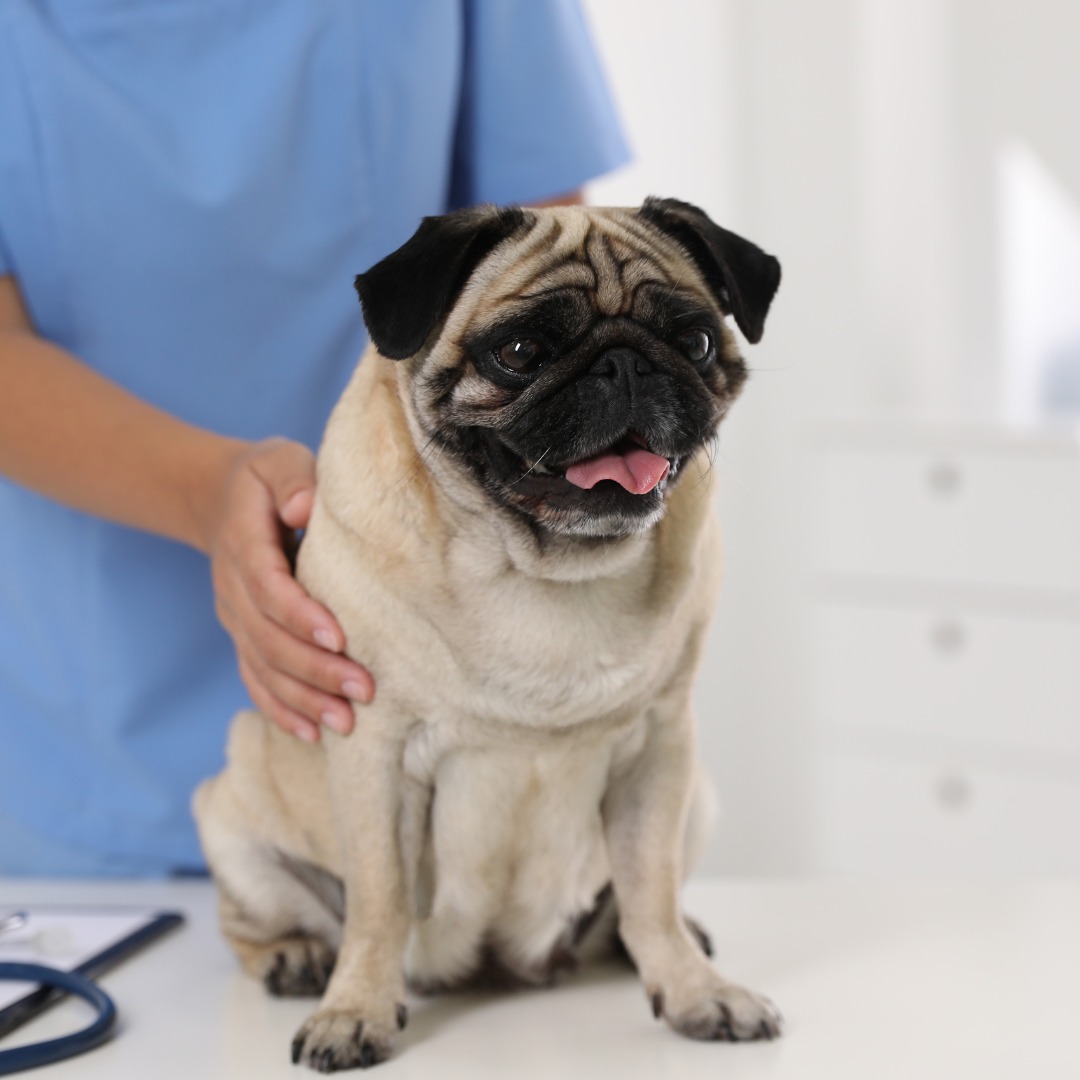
[638,470]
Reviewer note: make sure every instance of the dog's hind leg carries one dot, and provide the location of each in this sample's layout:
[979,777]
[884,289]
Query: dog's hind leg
[280,914]
[289,964]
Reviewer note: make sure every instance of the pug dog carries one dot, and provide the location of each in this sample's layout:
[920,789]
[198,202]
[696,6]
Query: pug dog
[513,526]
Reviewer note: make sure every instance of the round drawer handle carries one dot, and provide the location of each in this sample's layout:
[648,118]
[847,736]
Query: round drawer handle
[944,478]
[948,636]
[953,791]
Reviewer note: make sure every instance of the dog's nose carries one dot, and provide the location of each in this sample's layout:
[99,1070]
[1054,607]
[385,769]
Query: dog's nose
[621,362]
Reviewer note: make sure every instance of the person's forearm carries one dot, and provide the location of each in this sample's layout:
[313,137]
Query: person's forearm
[567,198]
[74,436]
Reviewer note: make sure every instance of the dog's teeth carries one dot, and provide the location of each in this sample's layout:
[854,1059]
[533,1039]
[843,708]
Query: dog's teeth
[543,470]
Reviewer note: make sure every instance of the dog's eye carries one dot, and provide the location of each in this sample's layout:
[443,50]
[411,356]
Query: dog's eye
[521,355]
[696,344]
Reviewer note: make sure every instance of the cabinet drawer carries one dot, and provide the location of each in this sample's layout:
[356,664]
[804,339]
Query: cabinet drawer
[986,517]
[877,815]
[1013,681]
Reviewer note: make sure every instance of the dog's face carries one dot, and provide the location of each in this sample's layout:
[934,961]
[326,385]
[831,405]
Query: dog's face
[567,362]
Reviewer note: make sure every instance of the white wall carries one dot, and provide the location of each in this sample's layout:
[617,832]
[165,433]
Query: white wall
[857,141]
[672,77]
[680,80]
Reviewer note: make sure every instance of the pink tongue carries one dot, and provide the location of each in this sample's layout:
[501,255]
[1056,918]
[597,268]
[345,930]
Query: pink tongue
[638,470]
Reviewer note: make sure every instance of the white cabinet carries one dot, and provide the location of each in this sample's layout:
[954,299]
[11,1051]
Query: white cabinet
[945,646]
[1011,681]
[987,515]
[934,812]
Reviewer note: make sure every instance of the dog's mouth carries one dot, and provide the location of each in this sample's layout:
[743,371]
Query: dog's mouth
[629,464]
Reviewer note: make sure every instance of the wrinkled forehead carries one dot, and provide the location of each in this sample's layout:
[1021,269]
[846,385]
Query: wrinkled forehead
[604,261]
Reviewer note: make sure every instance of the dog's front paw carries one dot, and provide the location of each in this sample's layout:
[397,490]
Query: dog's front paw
[715,1009]
[333,1039]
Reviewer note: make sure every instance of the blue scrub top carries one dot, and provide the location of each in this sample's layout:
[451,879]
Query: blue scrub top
[187,190]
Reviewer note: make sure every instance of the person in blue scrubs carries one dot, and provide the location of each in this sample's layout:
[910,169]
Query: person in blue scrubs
[186,193]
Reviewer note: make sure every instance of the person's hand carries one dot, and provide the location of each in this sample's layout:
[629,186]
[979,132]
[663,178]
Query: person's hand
[287,644]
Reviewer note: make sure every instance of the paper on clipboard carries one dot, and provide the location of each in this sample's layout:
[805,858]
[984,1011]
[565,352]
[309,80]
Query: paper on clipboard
[68,938]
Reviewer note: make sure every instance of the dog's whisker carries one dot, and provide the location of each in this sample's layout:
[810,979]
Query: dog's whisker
[431,455]
[533,465]
[411,473]
[734,475]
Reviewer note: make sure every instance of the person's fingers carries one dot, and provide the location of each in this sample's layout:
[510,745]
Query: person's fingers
[287,470]
[301,638]
[270,648]
[280,597]
[311,681]
[276,711]
[301,698]
[255,549]
[296,510]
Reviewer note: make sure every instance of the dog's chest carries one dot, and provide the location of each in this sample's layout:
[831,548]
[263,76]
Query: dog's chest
[511,851]
[553,655]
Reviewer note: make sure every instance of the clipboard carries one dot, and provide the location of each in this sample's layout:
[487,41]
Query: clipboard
[87,940]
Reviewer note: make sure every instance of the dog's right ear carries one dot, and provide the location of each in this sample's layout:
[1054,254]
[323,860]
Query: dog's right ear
[407,294]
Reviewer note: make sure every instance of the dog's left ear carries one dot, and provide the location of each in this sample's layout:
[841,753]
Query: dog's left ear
[407,294]
[742,277]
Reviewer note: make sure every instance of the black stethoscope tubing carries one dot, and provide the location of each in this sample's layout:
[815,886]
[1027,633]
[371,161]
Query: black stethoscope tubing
[45,1053]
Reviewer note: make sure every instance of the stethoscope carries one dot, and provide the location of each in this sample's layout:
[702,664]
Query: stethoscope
[45,1053]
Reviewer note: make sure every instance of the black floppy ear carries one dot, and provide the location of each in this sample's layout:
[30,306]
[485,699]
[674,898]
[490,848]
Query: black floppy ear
[742,277]
[407,294]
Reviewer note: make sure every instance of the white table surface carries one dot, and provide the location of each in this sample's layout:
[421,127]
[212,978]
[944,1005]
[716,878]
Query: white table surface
[877,980]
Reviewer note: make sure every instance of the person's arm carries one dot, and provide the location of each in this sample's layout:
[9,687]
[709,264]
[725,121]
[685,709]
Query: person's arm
[74,436]
[569,198]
